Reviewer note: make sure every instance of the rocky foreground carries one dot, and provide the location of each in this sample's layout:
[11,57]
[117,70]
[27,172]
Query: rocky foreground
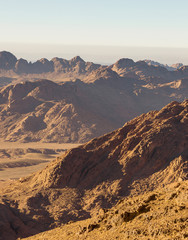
[147,153]
[160,214]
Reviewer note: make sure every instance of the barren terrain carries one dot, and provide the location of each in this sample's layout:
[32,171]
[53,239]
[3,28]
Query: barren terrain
[128,183]
[160,214]
[147,153]
[70,101]
[20,159]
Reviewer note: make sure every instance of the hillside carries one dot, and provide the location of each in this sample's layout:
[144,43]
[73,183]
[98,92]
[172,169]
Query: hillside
[161,214]
[147,153]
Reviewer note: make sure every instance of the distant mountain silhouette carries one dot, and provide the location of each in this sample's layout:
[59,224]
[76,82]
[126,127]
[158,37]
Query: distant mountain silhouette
[59,69]
[7,60]
[169,68]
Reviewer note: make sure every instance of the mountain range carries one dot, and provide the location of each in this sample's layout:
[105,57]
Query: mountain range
[59,69]
[74,101]
[170,68]
[144,156]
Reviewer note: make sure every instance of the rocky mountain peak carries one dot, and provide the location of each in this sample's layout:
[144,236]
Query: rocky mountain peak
[177,65]
[22,66]
[124,63]
[76,59]
[7,60]
[44,60]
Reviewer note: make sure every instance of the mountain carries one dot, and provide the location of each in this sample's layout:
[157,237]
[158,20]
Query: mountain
[146,71]
[141,70]
[169,68]
[78,111]
[59,69]
[7,60]
[57,65]
[147,153]
[82,100]
[177,65]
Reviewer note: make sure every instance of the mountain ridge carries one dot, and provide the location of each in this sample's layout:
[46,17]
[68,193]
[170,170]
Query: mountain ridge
[77,111]
[148,152]
[59,69]
[168,67]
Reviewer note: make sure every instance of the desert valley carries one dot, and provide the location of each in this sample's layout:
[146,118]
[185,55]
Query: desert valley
[91,151]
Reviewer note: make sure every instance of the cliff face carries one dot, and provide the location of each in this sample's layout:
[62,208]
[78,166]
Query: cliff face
[148,152]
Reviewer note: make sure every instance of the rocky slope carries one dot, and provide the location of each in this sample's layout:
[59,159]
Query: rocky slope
[161,214]
[71,110]
[148,152]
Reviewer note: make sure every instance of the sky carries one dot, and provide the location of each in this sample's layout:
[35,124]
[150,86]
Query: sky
[100,31]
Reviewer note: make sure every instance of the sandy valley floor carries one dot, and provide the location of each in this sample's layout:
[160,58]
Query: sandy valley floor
[20,159]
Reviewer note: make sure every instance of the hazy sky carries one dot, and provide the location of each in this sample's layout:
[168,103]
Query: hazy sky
[96,29]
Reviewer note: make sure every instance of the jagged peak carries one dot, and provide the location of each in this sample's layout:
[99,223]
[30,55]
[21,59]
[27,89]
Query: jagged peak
[76,59]
[183,68]
[22,60]
[43,60]
[59,59]
[102,73]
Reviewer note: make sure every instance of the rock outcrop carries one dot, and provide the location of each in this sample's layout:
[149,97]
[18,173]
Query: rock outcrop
[161,214]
